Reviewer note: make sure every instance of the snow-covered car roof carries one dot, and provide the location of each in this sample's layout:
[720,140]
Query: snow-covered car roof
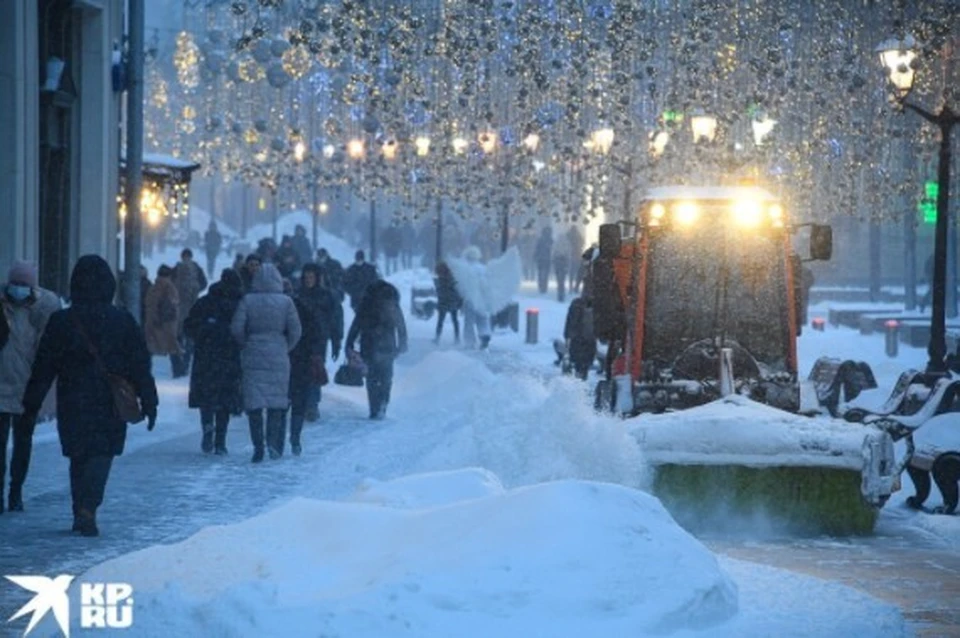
[661,193]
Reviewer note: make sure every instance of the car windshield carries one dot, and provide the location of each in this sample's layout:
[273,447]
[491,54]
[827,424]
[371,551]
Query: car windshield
[716,280]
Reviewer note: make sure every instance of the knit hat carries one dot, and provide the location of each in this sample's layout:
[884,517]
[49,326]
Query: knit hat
[23,272]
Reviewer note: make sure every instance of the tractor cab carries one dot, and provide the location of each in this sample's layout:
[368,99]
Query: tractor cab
[704,280]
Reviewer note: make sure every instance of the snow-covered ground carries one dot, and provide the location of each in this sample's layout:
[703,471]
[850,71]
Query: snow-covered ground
[492,501]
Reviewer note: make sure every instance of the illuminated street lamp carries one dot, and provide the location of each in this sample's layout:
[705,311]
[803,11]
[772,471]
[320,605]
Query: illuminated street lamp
[299,151]
[532,142]
[487,141]
[460,145]
[898,56]
[389,149]
[355,149]
[329,150]
[762,126]
[323,208]
[704,126]
[422,144]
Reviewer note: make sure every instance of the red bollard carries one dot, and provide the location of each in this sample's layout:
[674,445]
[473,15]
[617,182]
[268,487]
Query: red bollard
[533,321]
[818,323]
[892,335]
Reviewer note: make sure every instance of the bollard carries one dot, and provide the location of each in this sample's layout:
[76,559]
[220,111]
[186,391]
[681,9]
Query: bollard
[533,321]
[818,324]
[892,335]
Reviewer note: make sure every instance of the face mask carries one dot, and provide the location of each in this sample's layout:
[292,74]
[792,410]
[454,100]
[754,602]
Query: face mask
[18,293]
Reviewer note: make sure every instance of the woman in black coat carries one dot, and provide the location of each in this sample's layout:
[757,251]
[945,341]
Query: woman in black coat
[79,346]
[325,306]
[305,361]
[382,332]
[215,376]
[580,335]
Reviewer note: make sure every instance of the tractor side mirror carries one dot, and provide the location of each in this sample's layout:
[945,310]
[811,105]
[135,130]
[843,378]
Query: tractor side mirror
[821,242]
[609,241]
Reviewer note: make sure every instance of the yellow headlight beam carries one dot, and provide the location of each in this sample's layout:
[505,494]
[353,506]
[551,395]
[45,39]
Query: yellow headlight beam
[686,213]
[748,212]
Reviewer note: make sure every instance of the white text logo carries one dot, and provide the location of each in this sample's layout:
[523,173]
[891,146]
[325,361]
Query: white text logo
[102,605]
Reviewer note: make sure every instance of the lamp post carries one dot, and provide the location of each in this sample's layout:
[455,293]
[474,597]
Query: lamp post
[897,56]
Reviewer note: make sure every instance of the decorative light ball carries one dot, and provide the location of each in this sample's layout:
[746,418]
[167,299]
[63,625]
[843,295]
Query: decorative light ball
[189,112]
[296,61]
[262,52]
[233,71]
[278,47]
[214,123]
[187,127]
[371,124]
[250,70]
[236,128]
[251,136]
[276,76]
[278,144]
[260,125]
[186,59]
[333,127]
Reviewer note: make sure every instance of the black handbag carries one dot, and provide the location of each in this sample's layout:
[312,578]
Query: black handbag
[349,375]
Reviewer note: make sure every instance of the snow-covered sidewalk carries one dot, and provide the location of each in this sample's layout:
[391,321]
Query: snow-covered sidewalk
[506,410]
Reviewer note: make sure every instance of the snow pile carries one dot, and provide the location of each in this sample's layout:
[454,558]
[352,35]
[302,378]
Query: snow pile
[523,428]
[569,558]
[430,490]
[737,431]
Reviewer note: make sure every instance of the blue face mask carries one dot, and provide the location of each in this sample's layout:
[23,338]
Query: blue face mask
[18,293]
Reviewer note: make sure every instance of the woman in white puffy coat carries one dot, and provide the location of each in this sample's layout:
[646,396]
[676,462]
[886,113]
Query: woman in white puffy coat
[267,327]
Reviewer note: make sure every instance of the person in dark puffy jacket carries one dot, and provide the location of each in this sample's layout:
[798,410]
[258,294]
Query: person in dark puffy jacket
[382,332]
[267,328]
[358,277]
[449,301]
[580,335]
[79,347]
[215,377]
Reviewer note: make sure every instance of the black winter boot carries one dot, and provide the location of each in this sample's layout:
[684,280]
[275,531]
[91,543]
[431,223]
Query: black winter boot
[220,440]
[76,519]
[276,432]
[88,523]
[256,435]
[206,444]
[16,499]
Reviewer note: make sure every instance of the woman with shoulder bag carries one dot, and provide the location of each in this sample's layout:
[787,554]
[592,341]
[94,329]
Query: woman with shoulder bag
[84,348]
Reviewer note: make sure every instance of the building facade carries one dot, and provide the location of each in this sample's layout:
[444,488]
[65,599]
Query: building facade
[59,133]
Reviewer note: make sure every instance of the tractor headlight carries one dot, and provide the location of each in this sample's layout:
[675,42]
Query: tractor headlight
[747,212]
[776,215]
[657,211]
[686,213]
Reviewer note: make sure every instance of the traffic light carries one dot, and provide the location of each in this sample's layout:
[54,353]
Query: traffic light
[928,204]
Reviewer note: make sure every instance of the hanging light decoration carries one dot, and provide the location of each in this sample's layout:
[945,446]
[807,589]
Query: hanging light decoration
[422,144]
[487,141]
[296,61]
[186,58]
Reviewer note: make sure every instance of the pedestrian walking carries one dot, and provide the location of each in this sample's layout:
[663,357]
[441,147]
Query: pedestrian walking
[25,309]
[212,243]
[449,301]
[215,376]
[358,276]
[267,328]
[382,332]
[580,335]
[82,348]
[323,304]
[190,281]
[306,361]
[161,309]
[332,271]
[543,255]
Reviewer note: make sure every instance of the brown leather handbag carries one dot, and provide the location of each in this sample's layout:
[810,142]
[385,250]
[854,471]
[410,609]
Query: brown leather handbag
[126,403]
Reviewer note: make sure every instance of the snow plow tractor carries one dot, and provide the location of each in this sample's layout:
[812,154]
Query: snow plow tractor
[699,297]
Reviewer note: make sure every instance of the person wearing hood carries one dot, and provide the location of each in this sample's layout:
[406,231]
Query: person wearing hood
[332,271]
[215,377]
[324,304]
[476,322]
[382,332]
[267,328]
[25,309]
[358,277]
[161,310]
[80,348]
[286,259]
[301,244]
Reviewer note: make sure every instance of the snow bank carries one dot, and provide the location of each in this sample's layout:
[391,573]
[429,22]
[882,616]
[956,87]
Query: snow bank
[569,558]
[524,428]
[737,431]
[430,490]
